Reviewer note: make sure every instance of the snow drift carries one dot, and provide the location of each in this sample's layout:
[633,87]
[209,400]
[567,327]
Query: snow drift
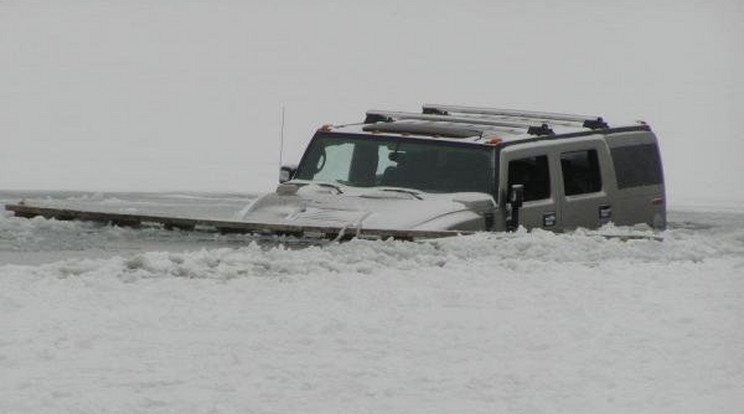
[527,322]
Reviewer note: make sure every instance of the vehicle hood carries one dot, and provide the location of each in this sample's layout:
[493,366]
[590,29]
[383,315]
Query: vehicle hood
[310,204]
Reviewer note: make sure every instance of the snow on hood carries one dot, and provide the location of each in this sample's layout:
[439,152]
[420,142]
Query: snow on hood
[313,204]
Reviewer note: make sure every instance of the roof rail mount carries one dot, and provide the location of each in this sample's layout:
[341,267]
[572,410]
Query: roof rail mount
[433,111]
[543,129]
[372,118]
[598,123]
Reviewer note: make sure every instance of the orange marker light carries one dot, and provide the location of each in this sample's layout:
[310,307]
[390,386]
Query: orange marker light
[495,141]
[325,128]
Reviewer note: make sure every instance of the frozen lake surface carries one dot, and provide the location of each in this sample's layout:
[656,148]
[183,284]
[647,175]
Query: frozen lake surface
[102,319]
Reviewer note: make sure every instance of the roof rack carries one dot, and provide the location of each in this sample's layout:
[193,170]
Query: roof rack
[389,116]
[436,129]
[591,122]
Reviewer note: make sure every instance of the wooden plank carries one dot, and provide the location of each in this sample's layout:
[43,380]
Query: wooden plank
[264,229]
[223,226]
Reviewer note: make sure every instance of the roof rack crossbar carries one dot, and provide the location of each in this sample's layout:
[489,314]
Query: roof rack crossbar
[533,128]
[592,122]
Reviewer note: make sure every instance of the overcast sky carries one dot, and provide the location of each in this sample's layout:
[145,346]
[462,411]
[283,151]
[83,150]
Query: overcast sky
[182,95]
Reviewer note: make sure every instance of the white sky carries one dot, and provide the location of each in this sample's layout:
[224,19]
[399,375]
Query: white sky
[179,95]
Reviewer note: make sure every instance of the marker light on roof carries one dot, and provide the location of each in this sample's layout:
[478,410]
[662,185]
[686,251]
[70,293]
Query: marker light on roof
[495,141]
[325,128]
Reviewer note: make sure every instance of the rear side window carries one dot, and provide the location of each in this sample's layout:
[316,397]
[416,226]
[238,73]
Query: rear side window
[637,165]
[580,172]
[533,174]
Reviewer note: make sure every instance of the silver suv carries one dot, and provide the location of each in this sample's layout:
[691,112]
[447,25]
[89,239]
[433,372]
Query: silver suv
[472,169]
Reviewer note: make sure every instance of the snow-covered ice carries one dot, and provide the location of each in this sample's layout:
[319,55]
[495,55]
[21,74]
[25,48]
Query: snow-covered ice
[93,320]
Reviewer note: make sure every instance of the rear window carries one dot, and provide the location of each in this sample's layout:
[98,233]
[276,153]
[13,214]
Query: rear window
[637,165]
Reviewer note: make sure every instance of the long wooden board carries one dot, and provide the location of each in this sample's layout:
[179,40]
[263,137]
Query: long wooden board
[222,226]
[262,229]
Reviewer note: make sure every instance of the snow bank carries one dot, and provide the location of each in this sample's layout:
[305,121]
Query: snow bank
[534,323]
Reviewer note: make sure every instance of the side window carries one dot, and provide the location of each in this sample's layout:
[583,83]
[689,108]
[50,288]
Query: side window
[581,172]
[637,165]
[533,174]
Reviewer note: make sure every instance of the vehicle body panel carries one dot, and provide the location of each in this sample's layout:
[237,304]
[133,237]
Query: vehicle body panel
[593,209]
[542,213]
[643,203]
[609,204]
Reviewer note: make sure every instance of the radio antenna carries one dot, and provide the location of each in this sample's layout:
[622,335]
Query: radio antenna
[281,140]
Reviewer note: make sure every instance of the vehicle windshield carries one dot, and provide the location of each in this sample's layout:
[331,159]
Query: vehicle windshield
[370,161]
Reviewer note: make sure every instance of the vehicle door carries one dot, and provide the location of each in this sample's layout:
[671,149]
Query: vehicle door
[584,183]
[533,167]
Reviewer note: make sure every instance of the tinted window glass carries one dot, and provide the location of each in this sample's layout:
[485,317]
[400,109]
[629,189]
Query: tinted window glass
[637,165]
[533,174]
[580,172]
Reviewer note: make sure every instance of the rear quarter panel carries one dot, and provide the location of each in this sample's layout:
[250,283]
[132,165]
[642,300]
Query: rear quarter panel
[638,204]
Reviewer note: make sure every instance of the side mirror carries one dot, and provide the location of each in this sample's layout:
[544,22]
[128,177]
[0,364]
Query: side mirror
[287,172]
[515,201]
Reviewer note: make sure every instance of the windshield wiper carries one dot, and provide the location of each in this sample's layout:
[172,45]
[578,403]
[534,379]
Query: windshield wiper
[329,185]
[413,193]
